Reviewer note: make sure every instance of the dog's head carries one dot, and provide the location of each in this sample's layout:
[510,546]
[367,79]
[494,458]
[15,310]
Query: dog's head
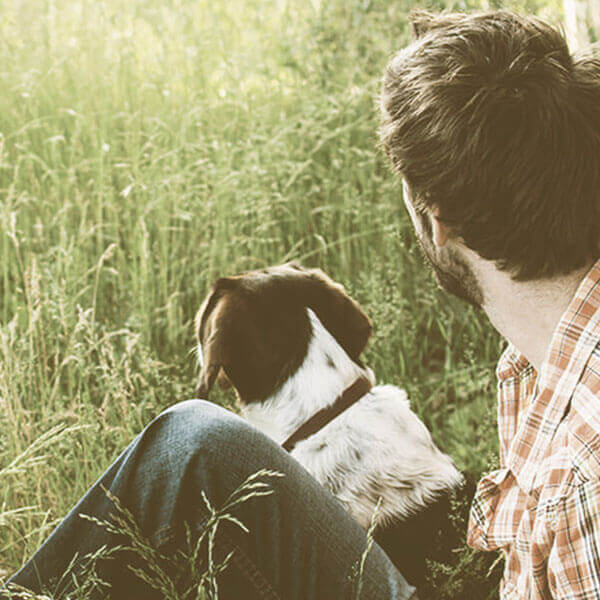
[253,329]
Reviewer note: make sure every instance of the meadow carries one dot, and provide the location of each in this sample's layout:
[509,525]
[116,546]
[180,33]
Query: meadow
[147,148]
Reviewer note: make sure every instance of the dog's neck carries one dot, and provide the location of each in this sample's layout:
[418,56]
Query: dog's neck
[323,375]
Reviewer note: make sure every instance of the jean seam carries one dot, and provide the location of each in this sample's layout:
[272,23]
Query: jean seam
[252,573]
[245,564]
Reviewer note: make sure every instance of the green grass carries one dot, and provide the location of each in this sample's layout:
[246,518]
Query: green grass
[148,147]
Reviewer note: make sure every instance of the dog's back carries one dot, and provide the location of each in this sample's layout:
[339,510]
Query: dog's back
[378,451]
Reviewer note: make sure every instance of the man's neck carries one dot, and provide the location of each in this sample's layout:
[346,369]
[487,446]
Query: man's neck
[527,313]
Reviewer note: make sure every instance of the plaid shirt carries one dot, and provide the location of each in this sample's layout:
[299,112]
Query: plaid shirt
[542,507]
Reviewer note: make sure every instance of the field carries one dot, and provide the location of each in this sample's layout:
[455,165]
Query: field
[147,148]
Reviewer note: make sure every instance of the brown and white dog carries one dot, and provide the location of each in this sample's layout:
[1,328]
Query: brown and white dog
[288,339]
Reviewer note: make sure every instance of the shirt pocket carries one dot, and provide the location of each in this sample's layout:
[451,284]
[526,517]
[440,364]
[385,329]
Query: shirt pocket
[495,512]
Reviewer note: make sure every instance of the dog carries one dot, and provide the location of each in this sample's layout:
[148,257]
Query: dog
[288,339]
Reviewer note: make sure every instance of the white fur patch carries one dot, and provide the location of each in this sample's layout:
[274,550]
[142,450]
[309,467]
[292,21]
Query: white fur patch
[376,448]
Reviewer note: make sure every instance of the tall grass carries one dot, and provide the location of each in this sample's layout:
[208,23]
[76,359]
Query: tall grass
[146,148]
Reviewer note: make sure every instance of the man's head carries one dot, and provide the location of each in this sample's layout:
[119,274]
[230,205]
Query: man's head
[495,129]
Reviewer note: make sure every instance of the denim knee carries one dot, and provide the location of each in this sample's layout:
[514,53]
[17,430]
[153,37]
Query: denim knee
[190,448]
[191,428]
[211,446]
[199,424]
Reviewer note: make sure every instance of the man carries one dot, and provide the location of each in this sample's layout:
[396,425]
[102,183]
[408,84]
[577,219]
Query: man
[495,130]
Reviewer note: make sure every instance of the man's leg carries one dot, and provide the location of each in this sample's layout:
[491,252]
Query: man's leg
[301,543]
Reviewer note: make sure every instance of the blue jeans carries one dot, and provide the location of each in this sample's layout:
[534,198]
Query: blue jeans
[301,543]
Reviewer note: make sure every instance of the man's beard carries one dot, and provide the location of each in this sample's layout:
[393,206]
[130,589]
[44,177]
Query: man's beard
[451,270]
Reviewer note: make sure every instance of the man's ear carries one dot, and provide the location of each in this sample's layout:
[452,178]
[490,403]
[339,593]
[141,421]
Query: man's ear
[439,229]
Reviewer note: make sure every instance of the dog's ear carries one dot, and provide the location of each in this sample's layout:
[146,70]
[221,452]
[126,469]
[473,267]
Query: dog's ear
[212,370]
[207,379]
[211,351]
[341,315]
[249,338]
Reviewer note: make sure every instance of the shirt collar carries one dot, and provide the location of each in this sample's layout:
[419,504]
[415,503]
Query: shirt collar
[573,341]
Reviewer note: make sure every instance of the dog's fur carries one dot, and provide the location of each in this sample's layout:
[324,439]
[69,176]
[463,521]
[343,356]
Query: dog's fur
[288,339]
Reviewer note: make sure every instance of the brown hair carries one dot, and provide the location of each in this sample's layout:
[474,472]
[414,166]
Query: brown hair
[490,119]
